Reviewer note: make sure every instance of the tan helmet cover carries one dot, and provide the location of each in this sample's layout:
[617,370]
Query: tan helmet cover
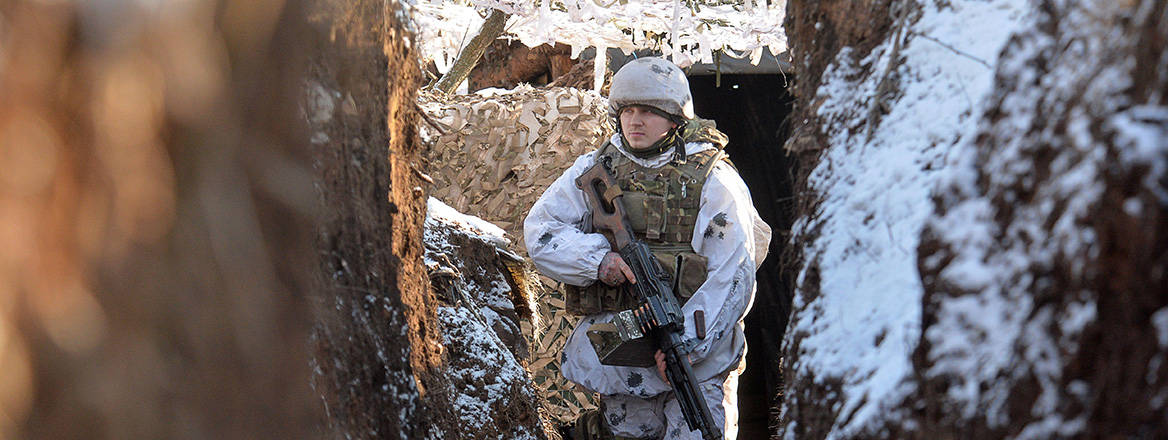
[654,82]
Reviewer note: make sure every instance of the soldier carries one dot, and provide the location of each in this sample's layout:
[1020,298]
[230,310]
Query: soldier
[686,201]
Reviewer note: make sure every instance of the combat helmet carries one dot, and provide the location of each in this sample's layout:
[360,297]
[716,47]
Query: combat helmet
[654,82]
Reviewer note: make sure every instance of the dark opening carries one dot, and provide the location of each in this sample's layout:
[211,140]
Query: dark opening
[753,110]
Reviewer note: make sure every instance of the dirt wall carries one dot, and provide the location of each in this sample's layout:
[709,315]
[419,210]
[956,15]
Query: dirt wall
[1079,215]
[394,360]
[378,358]
[1042,265]
[817,31]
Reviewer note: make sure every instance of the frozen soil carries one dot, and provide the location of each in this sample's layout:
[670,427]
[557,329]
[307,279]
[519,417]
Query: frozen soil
[490,391]
[981,246]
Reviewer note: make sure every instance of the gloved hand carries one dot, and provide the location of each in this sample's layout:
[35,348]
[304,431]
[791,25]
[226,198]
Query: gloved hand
[613,270]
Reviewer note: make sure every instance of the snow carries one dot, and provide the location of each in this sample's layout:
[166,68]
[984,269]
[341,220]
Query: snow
[485,373]
[487,364]
[495,295]
[865,322]
[1160,321]
[444,26]
[989,332]
[1143,129]
[441,212]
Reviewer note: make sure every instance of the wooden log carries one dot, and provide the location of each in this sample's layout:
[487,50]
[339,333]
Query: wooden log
[470,54]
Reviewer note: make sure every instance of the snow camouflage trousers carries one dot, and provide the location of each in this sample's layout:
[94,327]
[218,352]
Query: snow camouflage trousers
[660,417]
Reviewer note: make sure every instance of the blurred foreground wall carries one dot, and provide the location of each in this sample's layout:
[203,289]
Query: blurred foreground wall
[156,209]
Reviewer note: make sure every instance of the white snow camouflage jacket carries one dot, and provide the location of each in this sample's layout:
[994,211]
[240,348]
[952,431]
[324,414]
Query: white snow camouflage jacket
[734,248]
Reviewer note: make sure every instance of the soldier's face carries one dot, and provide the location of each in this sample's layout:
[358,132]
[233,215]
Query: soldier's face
[642,127]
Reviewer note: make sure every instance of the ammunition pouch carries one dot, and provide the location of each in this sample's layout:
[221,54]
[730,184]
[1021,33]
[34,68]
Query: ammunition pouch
[597,297]
[686,269]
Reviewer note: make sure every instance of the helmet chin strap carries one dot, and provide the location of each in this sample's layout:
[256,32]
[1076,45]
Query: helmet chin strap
[672,139]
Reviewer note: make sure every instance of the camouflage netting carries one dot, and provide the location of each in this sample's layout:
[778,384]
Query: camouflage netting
[493,158]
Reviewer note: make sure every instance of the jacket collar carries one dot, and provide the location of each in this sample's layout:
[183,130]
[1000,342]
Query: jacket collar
[661,159]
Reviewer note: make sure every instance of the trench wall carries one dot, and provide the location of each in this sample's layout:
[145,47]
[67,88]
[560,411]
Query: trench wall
[493,155]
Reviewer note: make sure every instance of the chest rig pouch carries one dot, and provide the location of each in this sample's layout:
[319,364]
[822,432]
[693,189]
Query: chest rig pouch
[662,206]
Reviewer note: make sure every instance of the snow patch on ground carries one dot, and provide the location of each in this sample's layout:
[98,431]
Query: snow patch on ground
[488,292]
[442,220]
[865,322]
[489,385]
[490,373]
[487,231]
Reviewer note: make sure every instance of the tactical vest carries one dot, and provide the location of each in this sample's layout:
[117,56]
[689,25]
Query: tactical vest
[662,206]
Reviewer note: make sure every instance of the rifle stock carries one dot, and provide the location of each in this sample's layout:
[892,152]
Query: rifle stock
[608,210]
[659,314]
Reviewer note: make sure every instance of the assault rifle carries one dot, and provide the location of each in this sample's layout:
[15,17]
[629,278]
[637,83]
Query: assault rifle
[659,314]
